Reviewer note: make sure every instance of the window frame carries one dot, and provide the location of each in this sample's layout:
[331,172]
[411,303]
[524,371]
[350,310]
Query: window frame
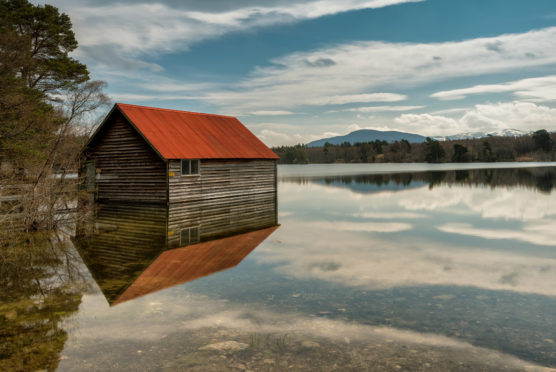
[189,230]
[189,163]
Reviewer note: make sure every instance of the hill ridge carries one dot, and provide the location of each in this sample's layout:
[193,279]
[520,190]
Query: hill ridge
[369,135]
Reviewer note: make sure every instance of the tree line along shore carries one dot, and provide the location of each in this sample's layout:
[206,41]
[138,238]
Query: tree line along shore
[537,146]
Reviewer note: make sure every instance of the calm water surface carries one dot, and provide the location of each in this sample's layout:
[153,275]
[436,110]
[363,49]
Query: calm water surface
[435,270]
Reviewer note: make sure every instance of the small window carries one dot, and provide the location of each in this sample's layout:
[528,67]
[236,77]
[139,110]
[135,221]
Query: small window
[189,166]
[190,235]
[194,166]
[194,235]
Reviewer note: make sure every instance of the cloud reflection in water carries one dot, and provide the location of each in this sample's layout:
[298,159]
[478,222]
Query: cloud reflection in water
[465,235]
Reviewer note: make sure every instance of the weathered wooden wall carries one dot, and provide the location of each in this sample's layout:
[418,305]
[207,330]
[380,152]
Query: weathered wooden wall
[128,169]
[227,196]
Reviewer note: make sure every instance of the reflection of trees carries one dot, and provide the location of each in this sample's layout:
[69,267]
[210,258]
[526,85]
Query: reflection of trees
[541,179]
[434,152]
[38,279]
[545,183]
[461,175]
[435,178]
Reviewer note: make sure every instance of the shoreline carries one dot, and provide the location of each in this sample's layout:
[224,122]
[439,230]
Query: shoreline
[346,169]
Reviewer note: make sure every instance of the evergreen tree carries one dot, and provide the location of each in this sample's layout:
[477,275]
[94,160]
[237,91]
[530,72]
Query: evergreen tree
[35,71]
[434,152]
[45,38]
[487,152]
[460,153]
[542,140]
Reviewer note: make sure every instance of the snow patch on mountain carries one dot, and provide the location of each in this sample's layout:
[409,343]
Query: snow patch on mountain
[470,135]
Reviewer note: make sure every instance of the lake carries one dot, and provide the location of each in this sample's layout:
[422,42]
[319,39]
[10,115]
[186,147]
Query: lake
[372,267]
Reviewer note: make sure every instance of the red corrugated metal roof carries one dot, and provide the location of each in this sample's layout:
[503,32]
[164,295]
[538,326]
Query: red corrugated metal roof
[190,135]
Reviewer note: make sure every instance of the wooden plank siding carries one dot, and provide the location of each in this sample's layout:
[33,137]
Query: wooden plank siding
[128,169]
[228,196]
[221,179]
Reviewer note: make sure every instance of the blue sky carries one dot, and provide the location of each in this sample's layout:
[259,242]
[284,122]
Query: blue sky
[298,70]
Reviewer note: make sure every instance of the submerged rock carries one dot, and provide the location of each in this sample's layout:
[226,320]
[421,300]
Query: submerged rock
[225,346]
[310,344]
[11,315]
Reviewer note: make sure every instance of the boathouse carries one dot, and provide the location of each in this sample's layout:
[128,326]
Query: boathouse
[150,155]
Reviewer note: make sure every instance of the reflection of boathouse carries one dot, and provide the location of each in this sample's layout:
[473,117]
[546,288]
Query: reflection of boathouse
[150,155]
[134,250]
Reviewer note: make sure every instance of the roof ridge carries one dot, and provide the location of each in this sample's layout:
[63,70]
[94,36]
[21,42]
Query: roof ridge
[173,110]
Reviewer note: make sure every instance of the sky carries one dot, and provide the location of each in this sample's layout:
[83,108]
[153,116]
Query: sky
[298,70]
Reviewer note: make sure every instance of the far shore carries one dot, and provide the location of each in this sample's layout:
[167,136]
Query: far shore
[344,169]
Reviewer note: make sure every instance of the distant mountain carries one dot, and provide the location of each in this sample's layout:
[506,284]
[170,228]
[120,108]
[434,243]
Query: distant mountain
[471,135]
[368,135]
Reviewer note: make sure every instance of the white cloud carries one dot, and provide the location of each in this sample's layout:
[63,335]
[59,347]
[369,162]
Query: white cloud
[329,134]
[271,137]
[535,89]
[387,215]
[162,86]
[270,125]
[119,97]
[525,116]
[427,124]
[356,98]
[299,10]
[384,108]
[360,68]
[274,138]
[354,127]
[271,113]
[147,28]
[455,110]
[378,227]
